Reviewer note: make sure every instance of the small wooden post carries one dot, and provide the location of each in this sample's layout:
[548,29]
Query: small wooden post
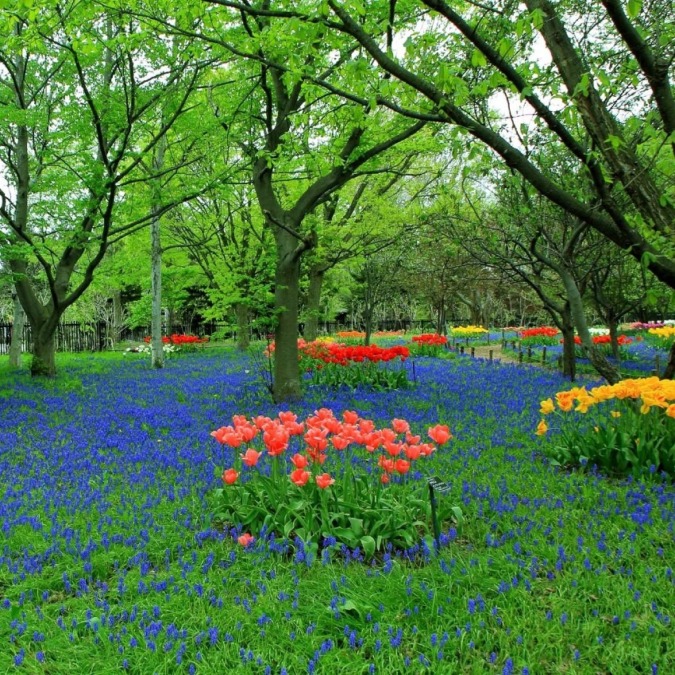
[473,352]
[529,352]
[543,355]
[461,349]
[490,356]
[520,356]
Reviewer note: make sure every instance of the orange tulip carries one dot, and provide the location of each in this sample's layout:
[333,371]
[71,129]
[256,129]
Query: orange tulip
[400,426]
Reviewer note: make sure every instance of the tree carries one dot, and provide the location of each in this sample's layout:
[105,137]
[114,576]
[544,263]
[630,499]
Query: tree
[470,56]
[80,87]
[363,221]
[223,233]
[290,129]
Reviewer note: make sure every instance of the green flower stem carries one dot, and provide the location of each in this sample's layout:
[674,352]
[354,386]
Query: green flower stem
[325,518]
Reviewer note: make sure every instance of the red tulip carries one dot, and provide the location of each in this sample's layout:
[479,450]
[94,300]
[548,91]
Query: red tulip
[300,477]
[299,461]
[324,481]
[401,466]
[245,539]
[440,434]
[230,476]
[250,457]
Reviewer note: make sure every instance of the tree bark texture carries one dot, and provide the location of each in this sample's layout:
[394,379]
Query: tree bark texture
[569,351]
[243,326]
[596,357]
[16,344]
[286,385]
[156,261]
[43,363]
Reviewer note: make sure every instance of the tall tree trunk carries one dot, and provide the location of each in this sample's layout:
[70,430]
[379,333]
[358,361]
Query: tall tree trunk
[440,318]
[596,357]
[156,262]
[286,385]
[613,326]
[43,363]
[243,326]
[16,344]
[157,345]
[569,351]
[316,275]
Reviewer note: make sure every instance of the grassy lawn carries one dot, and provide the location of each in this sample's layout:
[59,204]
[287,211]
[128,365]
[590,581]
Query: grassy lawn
[110,561]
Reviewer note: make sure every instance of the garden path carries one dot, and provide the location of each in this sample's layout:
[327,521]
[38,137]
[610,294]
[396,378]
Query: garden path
[483,352]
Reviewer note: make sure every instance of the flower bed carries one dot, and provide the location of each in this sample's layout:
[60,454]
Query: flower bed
[468,331]
[428,344]
[628,427]
[283,488]
[336,364]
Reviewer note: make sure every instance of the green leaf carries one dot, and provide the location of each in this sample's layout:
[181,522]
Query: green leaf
[504,46]
[357,526]
[614,141]
[583,85]
[537,17]
[478,59]
[368,544]
[633,8]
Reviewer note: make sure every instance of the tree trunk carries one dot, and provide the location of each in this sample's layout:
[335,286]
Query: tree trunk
[440,319]
[243,326]
[596,357]
[16,344]
[613,326]
[156,262]
[569,351]
[43,363]
[286,385]
[156,324]
[316,275]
